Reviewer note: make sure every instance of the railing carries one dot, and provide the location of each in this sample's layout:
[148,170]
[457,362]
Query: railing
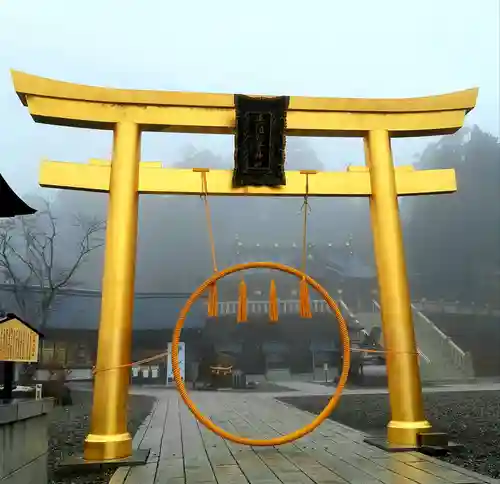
[461,359]
[351,318]
[455,307]
[344,308]
[423,356]
[290,306]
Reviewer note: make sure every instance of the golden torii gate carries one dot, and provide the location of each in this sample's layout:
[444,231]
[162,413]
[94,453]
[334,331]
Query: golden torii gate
[130,112]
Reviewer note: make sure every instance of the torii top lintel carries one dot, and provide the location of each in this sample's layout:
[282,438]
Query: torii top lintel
[68,104]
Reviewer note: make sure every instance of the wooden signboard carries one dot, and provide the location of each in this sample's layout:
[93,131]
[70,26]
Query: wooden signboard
[18,340]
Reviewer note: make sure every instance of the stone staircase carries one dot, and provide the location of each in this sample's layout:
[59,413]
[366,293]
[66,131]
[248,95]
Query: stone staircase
[440,358]
[447,360]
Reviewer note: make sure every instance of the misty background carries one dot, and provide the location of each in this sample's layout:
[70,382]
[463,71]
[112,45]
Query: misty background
[331,49]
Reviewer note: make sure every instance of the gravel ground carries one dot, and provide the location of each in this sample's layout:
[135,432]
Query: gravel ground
[69,426]
[469,418]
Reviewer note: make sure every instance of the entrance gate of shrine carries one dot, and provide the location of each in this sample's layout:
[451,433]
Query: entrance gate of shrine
[128,113]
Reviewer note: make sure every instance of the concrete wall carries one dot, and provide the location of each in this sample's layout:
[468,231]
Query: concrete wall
[24,441]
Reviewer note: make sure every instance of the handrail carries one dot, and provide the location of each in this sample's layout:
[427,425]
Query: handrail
[351,315]
[461,359]
[346,307]
[422,355]
[437,330]
[351,318]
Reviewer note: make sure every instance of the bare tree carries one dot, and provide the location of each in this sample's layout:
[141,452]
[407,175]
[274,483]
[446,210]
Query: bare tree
[36,262]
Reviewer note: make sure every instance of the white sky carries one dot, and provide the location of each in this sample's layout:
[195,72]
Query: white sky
[356,48]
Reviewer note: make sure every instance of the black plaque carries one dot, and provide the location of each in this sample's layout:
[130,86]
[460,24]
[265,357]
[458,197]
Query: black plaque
[259,154]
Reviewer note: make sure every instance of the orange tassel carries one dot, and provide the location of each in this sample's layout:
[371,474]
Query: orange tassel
[304,301]
[241,316]
[212,301]
[273,302]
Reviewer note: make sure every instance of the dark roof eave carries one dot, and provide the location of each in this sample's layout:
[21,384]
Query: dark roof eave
[11,316]
[10,204]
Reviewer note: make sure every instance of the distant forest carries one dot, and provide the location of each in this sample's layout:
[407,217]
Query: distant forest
[453,241]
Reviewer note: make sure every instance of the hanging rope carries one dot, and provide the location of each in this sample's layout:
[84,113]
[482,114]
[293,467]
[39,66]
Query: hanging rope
[242,314]
[273,303]
[212,295]
[242,310]
[304,299]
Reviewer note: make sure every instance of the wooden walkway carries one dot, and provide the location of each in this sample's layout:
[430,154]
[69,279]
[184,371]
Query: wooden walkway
[183,451]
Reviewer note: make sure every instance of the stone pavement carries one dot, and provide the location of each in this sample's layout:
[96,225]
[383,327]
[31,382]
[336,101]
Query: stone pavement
[185,452]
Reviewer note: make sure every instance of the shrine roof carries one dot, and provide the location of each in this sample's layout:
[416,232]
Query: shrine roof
[81,310]
[321,259]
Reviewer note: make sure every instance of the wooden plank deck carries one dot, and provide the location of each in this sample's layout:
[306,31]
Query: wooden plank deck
[185,452]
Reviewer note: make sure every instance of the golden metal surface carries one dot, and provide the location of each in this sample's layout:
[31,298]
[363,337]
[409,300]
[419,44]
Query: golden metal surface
[18,342]
[128,112]
[143,164]
[109,438]
[56,102]
[28,84]
[405,394]
[154,179]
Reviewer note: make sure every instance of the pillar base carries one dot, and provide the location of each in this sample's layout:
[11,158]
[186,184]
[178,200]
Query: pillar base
[79,465]
[107,447]
[401,436]
[404,433]
[412,437]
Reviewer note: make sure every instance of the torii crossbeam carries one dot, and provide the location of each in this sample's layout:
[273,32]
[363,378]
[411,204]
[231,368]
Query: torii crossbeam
[154,179]
[130,112]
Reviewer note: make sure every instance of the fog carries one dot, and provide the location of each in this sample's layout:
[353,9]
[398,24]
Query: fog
[349,49]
